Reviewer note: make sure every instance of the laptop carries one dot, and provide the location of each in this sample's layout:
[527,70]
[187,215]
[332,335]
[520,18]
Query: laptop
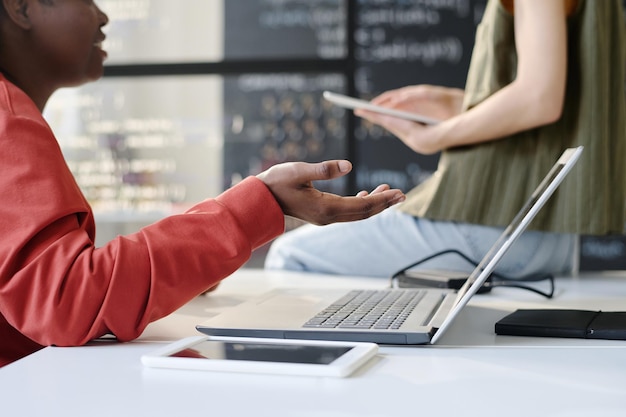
[412,316]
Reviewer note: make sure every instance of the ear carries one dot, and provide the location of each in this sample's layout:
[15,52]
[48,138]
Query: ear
[17,12]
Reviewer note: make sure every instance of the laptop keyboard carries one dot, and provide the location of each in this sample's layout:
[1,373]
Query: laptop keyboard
[368,309]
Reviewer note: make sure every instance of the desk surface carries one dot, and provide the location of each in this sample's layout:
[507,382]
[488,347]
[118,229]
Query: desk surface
[472,372]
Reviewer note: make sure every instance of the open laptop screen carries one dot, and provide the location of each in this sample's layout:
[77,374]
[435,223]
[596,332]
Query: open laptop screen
[521,221]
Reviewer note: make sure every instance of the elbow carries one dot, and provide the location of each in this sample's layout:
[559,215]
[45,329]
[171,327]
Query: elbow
[551,111]
[540,111]
[66,329]
[546,105]
[57,334]
[541,103]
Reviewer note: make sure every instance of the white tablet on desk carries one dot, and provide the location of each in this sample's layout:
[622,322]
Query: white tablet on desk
[261,355]
[355,103]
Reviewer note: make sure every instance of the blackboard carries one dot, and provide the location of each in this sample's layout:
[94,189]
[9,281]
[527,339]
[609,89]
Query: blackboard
[281,117]
[394,43]
[401,43]
[285,29]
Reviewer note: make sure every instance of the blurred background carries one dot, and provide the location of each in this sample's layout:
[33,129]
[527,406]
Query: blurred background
[199,94]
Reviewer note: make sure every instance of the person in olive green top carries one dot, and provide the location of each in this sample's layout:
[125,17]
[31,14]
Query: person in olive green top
[545,75]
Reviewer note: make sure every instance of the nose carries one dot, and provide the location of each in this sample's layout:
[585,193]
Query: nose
[104,19]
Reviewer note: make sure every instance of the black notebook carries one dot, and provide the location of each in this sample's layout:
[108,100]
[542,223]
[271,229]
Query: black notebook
[583,324]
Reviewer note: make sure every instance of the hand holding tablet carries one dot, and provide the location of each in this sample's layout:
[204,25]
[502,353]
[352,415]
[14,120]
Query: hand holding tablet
[355,103]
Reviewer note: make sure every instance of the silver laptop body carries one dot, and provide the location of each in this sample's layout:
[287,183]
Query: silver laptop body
[285,312]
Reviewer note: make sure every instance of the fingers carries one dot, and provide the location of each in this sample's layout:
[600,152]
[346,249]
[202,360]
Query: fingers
[380,188]
[328,170]
[291,185]
[302,173]
[345,209]
[392,123]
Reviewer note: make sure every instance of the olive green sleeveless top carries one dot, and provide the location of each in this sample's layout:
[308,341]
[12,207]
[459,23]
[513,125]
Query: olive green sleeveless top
[488,183]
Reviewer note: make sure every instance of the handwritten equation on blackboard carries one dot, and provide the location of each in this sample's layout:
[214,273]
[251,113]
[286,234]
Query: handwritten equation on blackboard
[285,29]
[422,31]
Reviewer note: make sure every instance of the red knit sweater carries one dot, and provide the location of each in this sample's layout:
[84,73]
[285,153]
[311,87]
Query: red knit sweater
[57,288]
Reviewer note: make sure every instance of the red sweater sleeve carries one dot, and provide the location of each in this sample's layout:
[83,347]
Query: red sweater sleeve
[57,288]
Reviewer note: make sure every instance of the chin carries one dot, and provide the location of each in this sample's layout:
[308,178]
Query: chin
[95,77]
[92,76]
[84,80]
[94,70]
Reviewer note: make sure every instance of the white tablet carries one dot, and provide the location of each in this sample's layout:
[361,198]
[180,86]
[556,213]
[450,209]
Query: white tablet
[256,355]
[355,103]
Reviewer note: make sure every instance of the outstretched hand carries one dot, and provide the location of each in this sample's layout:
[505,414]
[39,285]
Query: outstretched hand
[291,184]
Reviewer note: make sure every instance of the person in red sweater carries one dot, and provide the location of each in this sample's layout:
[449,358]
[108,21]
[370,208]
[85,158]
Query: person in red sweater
[56,287]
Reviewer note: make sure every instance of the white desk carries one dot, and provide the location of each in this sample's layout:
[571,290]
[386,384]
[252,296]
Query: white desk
[472,372]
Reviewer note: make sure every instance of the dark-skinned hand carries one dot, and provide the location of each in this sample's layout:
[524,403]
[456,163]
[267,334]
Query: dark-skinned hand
[291,184]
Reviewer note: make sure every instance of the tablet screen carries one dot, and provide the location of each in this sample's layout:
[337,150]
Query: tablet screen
[263,352]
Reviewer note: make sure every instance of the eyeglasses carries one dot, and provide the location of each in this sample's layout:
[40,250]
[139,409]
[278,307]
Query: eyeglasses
[409,277]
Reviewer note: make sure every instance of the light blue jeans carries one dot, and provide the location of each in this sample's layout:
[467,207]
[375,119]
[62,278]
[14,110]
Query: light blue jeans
[392,240]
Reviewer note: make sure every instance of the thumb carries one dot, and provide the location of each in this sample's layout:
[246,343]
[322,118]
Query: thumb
[328,170]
